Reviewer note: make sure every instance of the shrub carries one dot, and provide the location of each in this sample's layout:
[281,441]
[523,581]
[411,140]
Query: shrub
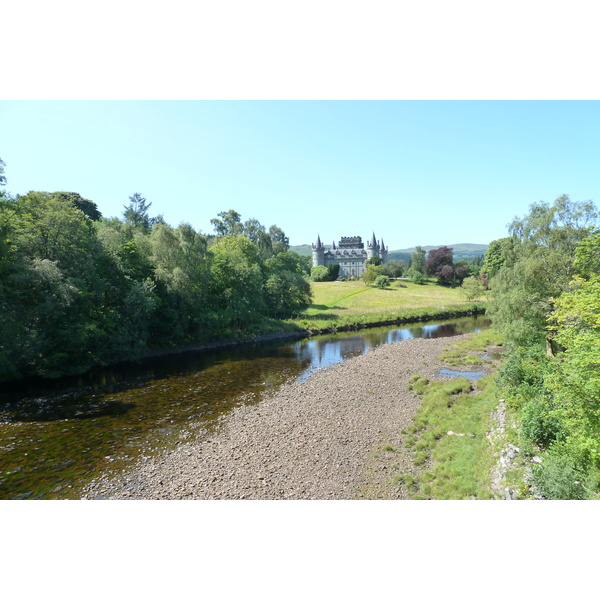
[416,276]
[382,281]
[334,271]
[319,273]
[370,274]
[561,477]
[472,288]
[537,425]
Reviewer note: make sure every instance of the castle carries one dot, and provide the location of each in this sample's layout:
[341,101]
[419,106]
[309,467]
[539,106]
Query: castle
[350,254]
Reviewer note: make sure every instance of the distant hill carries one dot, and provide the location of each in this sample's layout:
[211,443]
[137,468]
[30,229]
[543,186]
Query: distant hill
[461,251]
[466,251]
[303,250]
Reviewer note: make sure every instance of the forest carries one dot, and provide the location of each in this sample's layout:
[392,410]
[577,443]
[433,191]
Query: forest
[545,301]
[78,290]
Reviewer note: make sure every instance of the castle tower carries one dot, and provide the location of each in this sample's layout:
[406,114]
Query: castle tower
[373,248]
[318,253]
[383,252]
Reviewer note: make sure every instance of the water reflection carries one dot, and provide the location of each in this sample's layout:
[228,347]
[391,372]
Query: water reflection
[57,435]
[324,352]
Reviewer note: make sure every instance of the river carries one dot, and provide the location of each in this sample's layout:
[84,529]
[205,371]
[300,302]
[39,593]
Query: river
[56,436]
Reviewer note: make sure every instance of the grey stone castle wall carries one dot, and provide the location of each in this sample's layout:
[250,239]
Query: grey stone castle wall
[350,254]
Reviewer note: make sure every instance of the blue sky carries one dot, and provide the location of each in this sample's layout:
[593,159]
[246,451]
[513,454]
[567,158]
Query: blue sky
[414,172]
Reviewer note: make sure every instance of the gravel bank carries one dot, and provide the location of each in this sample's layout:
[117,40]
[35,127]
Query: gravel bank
[324,438]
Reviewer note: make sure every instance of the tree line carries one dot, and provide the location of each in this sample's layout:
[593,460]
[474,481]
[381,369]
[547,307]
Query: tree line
[545,300]
[79,290]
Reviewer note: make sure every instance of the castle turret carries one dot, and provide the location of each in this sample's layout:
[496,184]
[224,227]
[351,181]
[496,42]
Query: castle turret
[383,252]
[373,248]
[318,253]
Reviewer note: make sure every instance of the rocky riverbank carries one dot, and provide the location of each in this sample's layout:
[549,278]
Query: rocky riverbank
[329,437]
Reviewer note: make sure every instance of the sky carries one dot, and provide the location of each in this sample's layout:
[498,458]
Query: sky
[413,172]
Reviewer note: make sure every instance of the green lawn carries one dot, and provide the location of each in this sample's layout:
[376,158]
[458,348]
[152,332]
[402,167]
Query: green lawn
[344,298]
[351,303]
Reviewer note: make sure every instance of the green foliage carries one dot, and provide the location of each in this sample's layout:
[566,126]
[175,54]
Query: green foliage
[394,268]
[229,223]
[587,256]
[2,175]
[562,477]
[370,274]
[236,283]
[279,241]
[472,288]
[538,425]
[498,253]
[417,261]
[287,290]
[319,273]
[77,290]
[538,267]
[136,212]
[382,281]
[548,285]
[334,271]
[87,207]
[416,276]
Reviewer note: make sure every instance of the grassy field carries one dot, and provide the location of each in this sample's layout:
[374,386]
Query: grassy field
[346,302]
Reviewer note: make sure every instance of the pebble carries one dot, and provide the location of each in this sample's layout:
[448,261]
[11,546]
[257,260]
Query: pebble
[311,439]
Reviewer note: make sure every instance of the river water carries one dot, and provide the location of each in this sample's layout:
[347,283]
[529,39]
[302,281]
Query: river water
[57,436]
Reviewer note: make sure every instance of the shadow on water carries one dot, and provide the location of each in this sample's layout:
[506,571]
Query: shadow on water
[56,436]
[44,409]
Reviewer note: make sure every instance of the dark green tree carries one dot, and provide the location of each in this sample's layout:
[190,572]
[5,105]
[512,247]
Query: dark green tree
[287,290]
[87,207]
[236,282]
[136,212]
[334,271]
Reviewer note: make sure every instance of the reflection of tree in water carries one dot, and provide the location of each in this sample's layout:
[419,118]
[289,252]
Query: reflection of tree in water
[55,438]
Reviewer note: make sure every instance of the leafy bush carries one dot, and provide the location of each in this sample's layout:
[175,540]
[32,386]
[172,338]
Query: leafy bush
[538,426]
[371,273]
[416,276]
[561,477]
[319,273]
[334,271]
[524,367]
[472,288]
[382,281]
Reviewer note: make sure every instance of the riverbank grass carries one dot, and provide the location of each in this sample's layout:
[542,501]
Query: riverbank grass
[448,439]
[468,352]
[450,430]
